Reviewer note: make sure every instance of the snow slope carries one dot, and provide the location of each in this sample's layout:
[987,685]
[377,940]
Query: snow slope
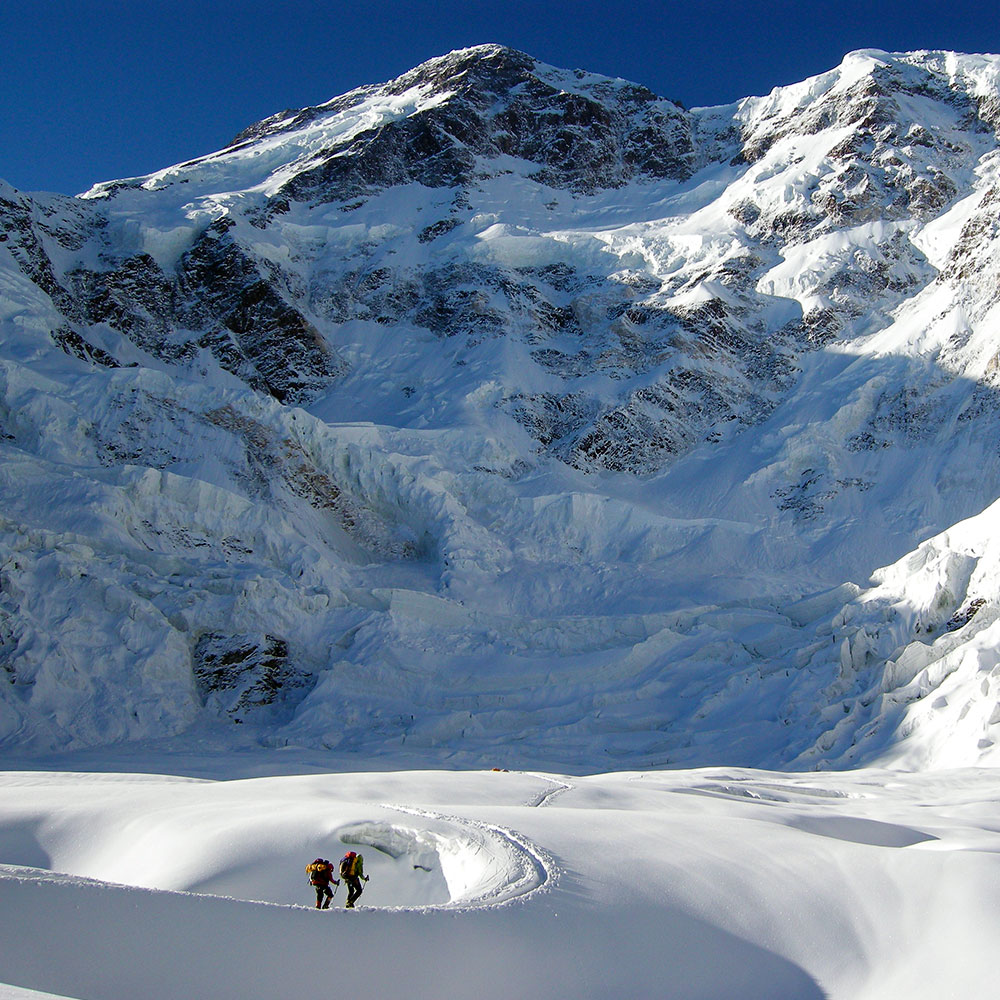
[693,884]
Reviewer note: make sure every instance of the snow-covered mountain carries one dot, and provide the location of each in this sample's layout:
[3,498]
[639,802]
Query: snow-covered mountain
[503,411]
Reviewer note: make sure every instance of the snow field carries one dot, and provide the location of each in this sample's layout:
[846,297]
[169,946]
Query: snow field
[203,837]
[689,884]
[404,528]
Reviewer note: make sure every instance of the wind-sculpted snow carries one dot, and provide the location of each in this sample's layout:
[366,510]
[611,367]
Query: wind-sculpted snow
[480,864]
[503,411]
[189,836]
[688,884]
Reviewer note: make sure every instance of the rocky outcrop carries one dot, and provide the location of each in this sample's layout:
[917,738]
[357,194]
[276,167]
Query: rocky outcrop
[249,325]
[247,676]
[571,131]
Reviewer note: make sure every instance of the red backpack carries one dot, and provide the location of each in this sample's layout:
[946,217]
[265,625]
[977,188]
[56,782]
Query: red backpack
[347,864]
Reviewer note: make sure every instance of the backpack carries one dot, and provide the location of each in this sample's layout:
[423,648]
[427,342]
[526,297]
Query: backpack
[347,865]
[319,872]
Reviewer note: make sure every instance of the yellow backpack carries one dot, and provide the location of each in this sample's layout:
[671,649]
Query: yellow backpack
[319,872]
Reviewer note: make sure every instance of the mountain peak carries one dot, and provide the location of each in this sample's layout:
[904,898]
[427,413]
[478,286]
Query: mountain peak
[489,53]
[489,68]
[444,121]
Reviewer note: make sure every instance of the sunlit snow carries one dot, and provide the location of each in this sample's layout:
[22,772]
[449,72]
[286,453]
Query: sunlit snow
[716,722]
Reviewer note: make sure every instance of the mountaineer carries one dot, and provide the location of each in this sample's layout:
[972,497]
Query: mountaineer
[352,871]
[320,874]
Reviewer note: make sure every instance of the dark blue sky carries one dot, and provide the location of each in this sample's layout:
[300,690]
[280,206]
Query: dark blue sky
[93,90]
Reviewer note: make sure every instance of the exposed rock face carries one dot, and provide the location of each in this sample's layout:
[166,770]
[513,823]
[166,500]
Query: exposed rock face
[575,131]
[245,675]
[250,327]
